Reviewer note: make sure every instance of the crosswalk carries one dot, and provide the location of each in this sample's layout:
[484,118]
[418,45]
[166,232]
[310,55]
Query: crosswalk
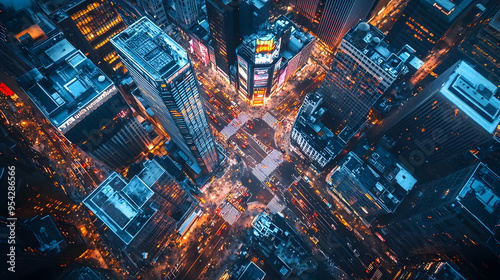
[269,119]
[276,205]
[231,129]
[268,165]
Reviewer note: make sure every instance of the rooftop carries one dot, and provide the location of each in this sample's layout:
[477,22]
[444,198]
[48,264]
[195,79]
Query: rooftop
[145,43]
[115,202]
[474,95]
[369,40]
[310,122]
[68,86]
[495,21]
[284,249]
[298,37]
[47,234]
[447,9]
[481,197]
[374,181]
[252,272]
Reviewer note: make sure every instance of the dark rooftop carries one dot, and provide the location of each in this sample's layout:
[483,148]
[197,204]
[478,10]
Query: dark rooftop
[68,86]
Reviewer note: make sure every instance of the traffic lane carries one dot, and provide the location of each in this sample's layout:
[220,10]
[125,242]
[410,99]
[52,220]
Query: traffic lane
[195,253]
[204,258]
[332,243]
[249,146]
[212,119]
[325,215]
[326,244]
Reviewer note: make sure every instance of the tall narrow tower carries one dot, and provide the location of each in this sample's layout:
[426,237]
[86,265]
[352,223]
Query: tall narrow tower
[164,74]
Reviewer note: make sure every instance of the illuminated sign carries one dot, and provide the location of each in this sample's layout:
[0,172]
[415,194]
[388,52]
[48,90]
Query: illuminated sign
[260,77]
[200,50]
[282,77]
[204,54]
[5,89]
[265,45]
[242,63]
[103,97]
[265,50]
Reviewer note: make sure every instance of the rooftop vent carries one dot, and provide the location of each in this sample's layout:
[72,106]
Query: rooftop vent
[362,29]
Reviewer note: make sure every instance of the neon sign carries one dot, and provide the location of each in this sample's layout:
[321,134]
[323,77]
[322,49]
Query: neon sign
[265,46]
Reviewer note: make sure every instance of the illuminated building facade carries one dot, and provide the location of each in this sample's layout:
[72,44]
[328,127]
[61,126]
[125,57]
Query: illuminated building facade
[199,42]
[456,218]
[267,58]
[224,21]
[484,48]
[332,19]
[84,105]
[90,24]
[164,74]
[456,113]
[296,47]
[424,22]
[259,63]
[363,69]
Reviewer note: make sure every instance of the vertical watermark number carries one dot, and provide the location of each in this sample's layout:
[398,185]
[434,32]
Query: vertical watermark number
[11,219]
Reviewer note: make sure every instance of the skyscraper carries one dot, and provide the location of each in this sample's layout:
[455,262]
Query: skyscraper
[457,112]
[424,22]
[84,104]
[371,182]
[253,13]
[331,19]
[363,69]
[188,12]
[155,8]
[224,21]
[456,217]
[483,50]
[164,74]
[142,214]
[89,24]
[338,17]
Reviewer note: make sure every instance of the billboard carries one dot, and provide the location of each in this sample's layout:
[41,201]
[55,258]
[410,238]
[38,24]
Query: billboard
[266,49]
[260,77]
[265,46]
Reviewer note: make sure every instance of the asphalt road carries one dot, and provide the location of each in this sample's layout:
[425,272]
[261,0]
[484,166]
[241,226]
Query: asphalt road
[197,259]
